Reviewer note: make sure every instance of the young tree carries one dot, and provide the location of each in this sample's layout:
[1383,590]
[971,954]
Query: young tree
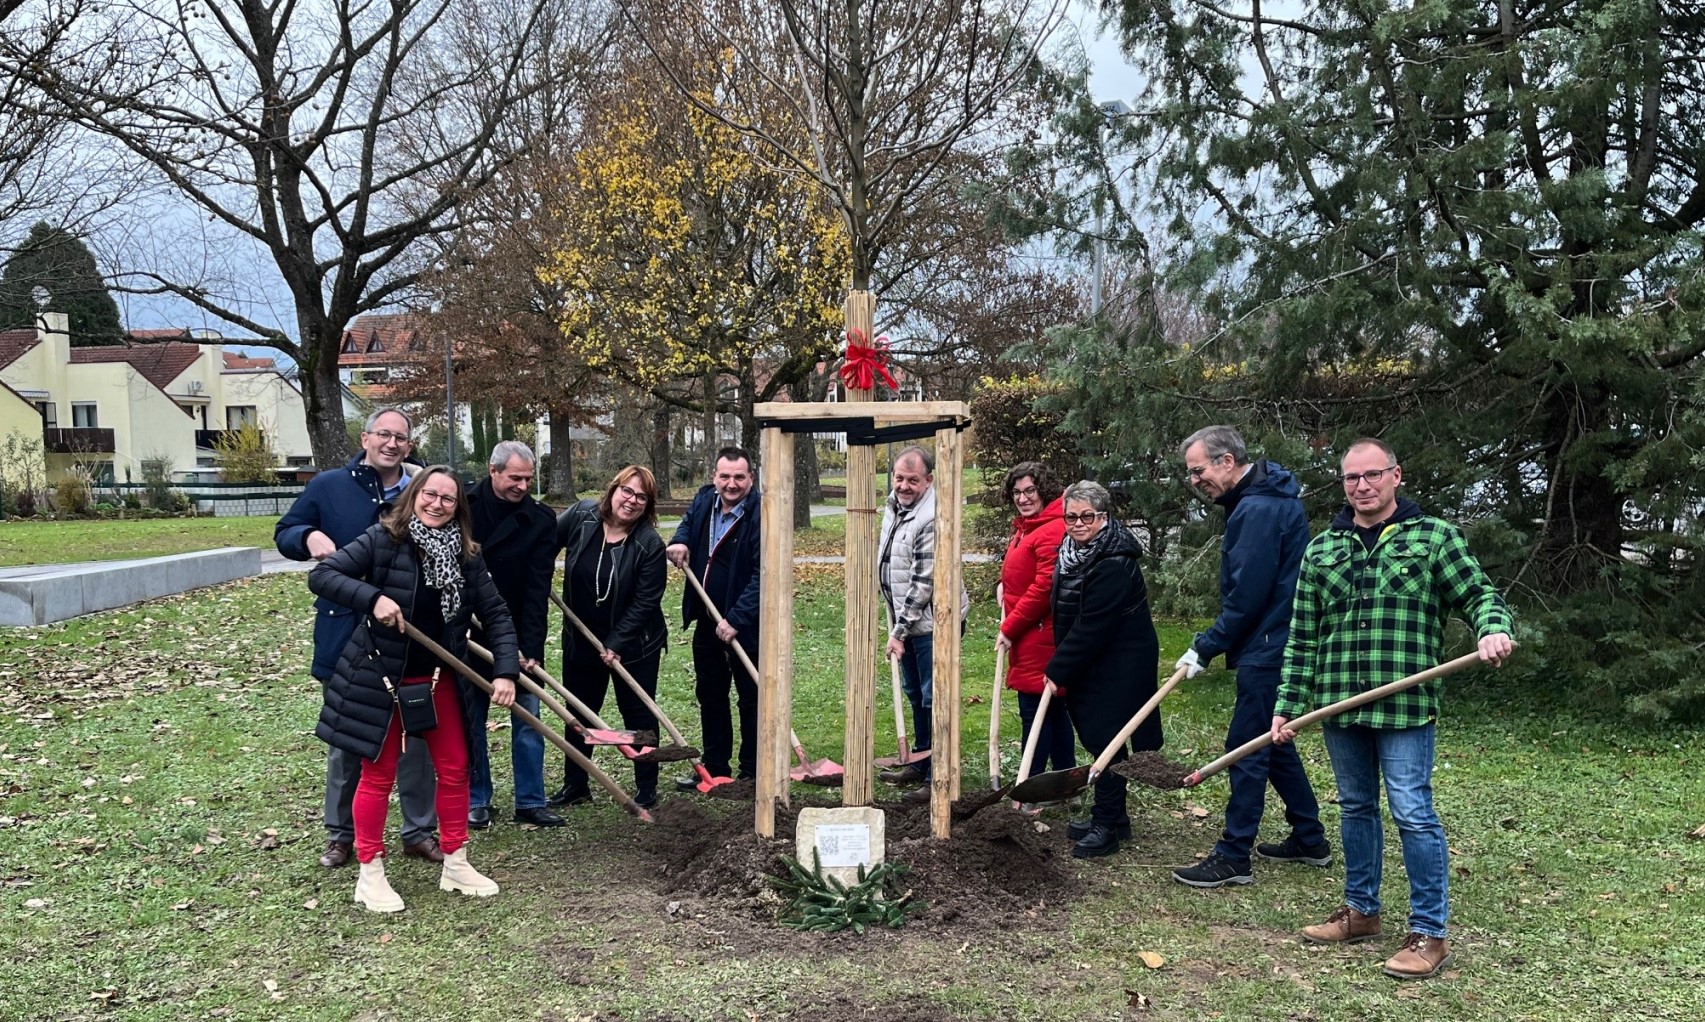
[54,263]
[340,139]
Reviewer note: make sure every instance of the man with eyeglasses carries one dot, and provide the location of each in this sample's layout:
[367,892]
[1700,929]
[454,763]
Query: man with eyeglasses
[517,538]
[1266,530]
[336,506]
[719,541]
[1374,595]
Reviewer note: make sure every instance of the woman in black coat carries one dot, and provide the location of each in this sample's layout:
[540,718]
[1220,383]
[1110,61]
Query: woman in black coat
[1105,651]
[418,564]
[614,573]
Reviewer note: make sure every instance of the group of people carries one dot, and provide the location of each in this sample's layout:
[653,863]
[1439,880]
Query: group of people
[473,566]
[1303,621]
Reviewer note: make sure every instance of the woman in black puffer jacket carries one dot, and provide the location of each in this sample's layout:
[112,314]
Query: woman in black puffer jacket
[614,574]
[1105,651]
[421,565]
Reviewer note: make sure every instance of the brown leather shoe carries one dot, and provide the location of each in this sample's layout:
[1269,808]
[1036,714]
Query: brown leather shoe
[337,853]
[1344,926]
[1420,956]
[427,850]
[917,796]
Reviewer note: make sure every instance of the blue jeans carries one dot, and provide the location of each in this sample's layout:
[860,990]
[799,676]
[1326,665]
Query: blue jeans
[526,756]
[1057,745]
[1360,755]
[1252,717]
[917,680]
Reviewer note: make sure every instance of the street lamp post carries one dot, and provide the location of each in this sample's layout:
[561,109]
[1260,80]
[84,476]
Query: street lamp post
[449,405]
[1110,110]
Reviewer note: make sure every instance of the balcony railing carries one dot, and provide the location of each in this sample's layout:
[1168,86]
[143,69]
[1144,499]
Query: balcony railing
[77,441]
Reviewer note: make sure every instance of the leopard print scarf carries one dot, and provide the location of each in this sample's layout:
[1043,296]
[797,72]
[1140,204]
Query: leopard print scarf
[440,562]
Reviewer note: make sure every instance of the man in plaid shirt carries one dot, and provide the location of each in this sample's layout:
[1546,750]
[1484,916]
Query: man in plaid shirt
[1372,601]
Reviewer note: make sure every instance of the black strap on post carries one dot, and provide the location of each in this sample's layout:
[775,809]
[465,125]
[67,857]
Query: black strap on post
[862,431]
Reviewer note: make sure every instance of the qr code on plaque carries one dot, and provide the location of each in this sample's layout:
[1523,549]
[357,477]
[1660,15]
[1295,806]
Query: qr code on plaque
[829,844]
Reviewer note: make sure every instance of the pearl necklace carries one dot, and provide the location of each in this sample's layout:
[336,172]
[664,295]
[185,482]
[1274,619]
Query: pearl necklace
[597,569]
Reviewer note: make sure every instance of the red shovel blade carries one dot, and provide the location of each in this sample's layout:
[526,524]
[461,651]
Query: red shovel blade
[825,772]
[609,736]
[894,761]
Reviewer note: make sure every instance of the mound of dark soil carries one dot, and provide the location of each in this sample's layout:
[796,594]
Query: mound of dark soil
[1154,769]
[995,872]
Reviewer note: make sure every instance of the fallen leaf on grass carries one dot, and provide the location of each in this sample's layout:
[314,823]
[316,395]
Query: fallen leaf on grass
[266,840]
[311,904]
[384,938]
[1138,1001]
[1697,833]
[1151,959]
[1197,811]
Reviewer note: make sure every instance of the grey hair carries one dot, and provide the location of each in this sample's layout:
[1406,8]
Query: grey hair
[1092,493]
[373,420]
[923,455]
[507,449]
[1218,441]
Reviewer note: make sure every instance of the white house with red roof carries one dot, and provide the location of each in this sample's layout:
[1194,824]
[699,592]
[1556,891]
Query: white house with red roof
[166,394]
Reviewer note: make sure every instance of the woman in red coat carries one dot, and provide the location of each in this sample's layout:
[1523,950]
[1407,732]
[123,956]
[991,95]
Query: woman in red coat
[1027,625]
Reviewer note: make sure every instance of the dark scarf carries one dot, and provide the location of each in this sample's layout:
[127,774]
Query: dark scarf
[440,562]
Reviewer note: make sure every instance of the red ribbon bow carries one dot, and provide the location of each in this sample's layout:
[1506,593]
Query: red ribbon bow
[866,363]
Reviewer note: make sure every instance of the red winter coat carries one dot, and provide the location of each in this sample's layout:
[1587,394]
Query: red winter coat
[1027,576]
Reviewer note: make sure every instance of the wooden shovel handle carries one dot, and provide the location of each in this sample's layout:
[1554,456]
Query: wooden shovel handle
[1035,732]
[622,797]
[1131,725]
[995,719]
[899,710]
[1332,710]
[716,615]
[621,672]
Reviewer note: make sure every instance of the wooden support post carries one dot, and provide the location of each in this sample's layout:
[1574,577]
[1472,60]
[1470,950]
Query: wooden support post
[775,630]
[944,778]
[863,640]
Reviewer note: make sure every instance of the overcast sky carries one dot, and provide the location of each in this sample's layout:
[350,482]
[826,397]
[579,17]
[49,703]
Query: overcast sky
[158,234]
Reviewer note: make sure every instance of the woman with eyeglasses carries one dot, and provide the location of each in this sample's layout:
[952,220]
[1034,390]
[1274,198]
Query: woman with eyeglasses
[1027,626]
[419,564]
[1105,651]
[614,576]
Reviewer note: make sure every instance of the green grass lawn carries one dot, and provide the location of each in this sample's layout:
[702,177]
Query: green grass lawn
[31,542]
[159,818]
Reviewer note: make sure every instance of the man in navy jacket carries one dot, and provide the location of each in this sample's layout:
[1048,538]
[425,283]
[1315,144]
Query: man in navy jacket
[718,541]
[1266,530]
[336,506]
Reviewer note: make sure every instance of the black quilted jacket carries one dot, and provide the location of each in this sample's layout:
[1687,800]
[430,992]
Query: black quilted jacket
[357,708]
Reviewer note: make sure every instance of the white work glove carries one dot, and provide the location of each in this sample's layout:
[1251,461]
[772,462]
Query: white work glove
[1189,663]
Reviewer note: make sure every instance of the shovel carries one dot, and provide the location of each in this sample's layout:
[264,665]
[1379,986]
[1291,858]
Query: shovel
[1030,745]
[622,798]
[995,721]
[1332,710]
[906,754]
[1065,783]
[825,772]
[635,745]
[706,781]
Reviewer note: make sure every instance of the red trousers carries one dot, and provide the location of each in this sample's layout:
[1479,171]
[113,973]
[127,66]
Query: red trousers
[449,751]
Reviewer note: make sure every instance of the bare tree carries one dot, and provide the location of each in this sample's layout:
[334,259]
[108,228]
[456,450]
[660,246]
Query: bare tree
[899,95]
[340,138]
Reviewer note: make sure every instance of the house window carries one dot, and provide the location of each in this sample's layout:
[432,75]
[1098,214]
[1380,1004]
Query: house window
[49,414]
[299,461]
[238,416]
[83,415]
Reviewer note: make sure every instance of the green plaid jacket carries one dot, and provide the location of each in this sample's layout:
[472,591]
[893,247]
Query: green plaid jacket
[1363,618]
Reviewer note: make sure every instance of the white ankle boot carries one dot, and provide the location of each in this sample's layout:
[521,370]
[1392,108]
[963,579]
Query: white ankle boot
[459,876]
[374,891]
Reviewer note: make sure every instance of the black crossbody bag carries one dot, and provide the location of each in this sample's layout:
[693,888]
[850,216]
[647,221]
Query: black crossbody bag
[415,706]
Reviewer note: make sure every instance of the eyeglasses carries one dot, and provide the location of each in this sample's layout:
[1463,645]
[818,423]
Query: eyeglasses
[1197,472]
[1083,518]
[1373,475]
[442,499]
[387,437]
[632,494]
[1025,493]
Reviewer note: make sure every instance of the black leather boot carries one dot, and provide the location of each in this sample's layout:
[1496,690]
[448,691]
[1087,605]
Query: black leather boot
[1101,840]
[1078,828]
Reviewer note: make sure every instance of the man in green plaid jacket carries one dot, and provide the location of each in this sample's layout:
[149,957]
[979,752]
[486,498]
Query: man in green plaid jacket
[1373,598]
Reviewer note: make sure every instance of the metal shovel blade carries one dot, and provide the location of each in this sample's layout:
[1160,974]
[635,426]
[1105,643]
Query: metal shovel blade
[894,761]
[1053,786]
[824,772]
[665,754]
[612,736]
